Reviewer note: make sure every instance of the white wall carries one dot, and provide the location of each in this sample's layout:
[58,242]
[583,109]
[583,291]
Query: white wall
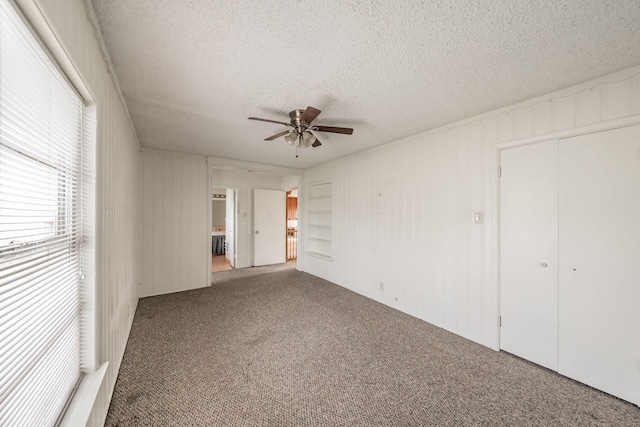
[290,182]
[177,232]
[66,26]
[403,230]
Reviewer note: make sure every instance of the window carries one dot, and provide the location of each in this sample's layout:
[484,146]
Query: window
[41,230]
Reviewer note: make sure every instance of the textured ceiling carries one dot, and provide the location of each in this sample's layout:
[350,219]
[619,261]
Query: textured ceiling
[192,71]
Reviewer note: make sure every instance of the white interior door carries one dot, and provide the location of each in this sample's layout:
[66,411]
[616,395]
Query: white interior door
[230,227]
[269,227]
[529,252]
[600,260]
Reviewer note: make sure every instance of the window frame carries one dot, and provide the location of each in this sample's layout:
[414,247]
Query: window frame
[79,407]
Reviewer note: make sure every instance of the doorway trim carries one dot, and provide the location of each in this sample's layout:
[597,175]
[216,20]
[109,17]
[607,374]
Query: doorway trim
[235,225]
[210,216]
[297,226]
[290,178]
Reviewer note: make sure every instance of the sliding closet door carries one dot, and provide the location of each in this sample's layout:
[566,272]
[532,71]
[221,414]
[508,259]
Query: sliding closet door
[599,299]
[529,252]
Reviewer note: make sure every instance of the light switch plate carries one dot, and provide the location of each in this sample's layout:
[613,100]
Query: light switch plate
[478,217]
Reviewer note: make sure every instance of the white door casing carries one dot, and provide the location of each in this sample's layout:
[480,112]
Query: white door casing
[529,252]
[269,227]
[230,226]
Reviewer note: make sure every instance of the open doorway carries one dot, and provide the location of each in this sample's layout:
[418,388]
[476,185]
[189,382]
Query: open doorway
[292,226]
[223,220]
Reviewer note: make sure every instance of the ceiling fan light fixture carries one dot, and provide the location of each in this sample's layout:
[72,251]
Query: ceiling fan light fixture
[291,138]
[307,139]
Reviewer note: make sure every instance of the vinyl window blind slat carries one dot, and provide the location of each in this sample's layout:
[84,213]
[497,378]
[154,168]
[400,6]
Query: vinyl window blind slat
[12,251]
[13,166]
[23,319]
[11,298]
[29,397]
[41,230]
[17,368]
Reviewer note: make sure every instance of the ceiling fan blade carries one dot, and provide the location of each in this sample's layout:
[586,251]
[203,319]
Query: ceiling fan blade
[346,131]
[317,143]
[309,115]
[277,135]
[270,121]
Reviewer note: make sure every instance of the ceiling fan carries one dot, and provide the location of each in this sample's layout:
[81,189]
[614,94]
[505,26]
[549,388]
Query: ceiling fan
[300,135]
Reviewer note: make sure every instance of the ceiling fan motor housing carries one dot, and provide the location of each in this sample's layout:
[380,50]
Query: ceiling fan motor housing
[303,138]
[296,121]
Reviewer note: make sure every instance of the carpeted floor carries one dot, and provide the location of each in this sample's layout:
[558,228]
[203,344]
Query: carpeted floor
[272,346]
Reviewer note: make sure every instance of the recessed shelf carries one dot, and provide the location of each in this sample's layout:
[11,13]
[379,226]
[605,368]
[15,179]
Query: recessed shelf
[320,255]
[320,212]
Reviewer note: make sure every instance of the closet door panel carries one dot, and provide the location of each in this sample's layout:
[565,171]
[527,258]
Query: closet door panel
[529,252]
[599,253]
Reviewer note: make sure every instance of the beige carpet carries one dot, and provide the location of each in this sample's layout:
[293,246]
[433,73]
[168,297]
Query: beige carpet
[276,347]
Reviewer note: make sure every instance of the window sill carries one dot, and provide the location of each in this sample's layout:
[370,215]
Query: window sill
[82,403]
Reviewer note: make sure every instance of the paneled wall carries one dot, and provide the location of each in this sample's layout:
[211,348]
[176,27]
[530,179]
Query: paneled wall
[118,190]
[403,214]
[177,231]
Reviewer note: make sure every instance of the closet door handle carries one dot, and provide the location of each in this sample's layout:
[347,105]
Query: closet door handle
[543,264]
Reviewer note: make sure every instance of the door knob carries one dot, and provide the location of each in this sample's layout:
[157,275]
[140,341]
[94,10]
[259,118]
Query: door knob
[543,264]
[257,232]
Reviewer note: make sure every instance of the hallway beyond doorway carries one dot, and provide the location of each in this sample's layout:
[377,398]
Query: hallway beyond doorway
[220,263]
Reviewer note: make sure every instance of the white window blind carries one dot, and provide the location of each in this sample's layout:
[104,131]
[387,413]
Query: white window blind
[40,230]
